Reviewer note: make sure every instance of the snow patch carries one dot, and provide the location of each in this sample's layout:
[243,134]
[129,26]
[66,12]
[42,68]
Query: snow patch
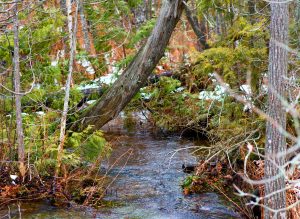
[90,70]
[13,177]
[212,77]
[264,88]
[96,84]
[91,102]
[88,86]
[108,79]
[217,94]
[54,63]
[37,85]
[179,89]
[87,65]
[40,113]
[246,88]
[146,96]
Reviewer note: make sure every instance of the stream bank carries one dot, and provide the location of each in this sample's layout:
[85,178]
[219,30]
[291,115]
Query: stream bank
[145,175]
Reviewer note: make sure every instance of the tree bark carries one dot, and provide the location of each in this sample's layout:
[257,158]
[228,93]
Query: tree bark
[139,14]
[136,74]
[72,39]
[18,96]
[275,140]
[251,9]
[63,7]
[297,16]
[198,30]
[84,25]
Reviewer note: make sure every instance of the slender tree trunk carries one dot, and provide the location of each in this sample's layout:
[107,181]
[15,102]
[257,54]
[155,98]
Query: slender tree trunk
[199,30]
[254,72]
[18,96]
[63,6]
[145,9]
[251,9]
[136,74]
[218,28]
[298,23]
[84,24]
[275,140]
[149,9]
[72,39]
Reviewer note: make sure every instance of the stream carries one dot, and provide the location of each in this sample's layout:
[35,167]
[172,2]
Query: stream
[146,173]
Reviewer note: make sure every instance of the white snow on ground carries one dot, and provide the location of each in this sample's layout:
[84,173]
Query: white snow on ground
[87,65]
[91,102]
[246,88]
[212,77]
[90,70]
[13,178]
[179,89]
[264,88]
[37,85]
[95,84]
[88,86]
[107,79]
[220,92]
[54,63]
[146,96]
[40,113]
[217,94]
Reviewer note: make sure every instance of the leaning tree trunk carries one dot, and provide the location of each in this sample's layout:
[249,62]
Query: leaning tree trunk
[18,96]
[198,30]
[275,140]
[136,74]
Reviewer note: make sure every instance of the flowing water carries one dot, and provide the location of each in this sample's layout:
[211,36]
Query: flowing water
[146,173]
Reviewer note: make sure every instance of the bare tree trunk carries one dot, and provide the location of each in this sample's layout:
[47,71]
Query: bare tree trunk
[251,9]
[199,30]
[275,140]
[18,96]
[298,22]
[149,9]
[84,24]
[142,12]
[254,72]
[63,6]
[136,74]
[72,39]
[218,27]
